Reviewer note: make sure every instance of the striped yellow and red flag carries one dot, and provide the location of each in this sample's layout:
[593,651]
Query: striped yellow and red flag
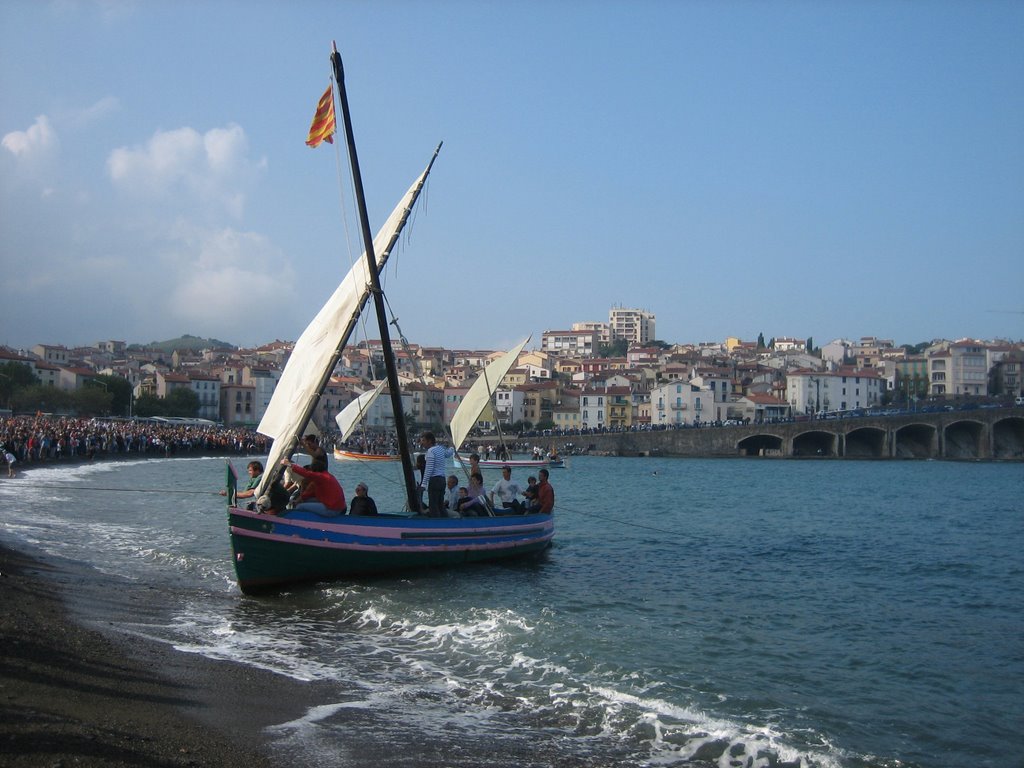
[323,126]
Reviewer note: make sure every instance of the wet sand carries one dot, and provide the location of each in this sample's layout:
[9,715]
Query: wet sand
[74,696]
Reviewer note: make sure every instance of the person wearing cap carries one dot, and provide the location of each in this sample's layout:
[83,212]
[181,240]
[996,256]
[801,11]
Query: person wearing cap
[362,504]
[507,491]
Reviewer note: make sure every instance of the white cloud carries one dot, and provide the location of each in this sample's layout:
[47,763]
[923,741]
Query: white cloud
[210,169]
[226,279]
[95,112]
[39,140]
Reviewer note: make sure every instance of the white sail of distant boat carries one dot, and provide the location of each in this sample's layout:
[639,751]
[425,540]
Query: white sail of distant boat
[480,394]
[315,353]
[354,412]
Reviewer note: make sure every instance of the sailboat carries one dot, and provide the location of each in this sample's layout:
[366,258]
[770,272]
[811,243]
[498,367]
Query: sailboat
[477,399]
[273,551]
[349,419]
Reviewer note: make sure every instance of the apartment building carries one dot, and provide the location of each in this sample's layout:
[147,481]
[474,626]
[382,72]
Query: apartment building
[843,390]
[962,369]
[570,343]
[636,326]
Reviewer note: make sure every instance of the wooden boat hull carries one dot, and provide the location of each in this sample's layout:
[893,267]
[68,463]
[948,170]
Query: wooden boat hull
[497,464]
[271,551]
[341,455]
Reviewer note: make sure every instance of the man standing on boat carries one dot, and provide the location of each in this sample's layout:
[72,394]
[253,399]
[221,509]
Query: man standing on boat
[435,473]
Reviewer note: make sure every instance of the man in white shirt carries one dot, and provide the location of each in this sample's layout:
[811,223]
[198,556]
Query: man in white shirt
[507,492]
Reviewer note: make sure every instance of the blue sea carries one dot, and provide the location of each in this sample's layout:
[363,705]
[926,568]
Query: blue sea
[728,613]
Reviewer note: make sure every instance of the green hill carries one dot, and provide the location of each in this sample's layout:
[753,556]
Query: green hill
[187,341]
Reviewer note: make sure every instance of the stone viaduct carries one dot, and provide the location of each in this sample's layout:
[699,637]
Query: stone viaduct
[989,434]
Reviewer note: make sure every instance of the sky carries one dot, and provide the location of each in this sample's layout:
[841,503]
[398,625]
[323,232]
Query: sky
[801,169]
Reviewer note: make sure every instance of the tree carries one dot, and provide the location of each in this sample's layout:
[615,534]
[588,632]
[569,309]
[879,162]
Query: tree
[182,401]
[760,341]
[809,344]
[41,397]
[120,390]
[91,401]
[14,377]
[150,405]
[616,349]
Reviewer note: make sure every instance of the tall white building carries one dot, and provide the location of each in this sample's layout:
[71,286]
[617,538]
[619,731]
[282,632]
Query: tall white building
[634,325]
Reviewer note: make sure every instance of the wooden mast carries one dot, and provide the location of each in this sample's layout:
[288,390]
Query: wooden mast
[413,496]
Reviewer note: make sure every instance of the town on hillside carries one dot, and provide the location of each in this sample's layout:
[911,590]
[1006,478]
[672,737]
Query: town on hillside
[595,376]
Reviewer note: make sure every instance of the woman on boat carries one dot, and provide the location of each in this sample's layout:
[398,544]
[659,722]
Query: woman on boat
[476,504]
[322,493]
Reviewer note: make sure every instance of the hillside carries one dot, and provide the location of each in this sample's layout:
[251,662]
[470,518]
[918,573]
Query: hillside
[187,341]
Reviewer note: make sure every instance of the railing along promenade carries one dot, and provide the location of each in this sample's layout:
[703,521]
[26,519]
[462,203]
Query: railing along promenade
[976,434]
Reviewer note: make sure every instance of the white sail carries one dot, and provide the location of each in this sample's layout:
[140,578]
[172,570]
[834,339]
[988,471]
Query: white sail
[480,393]
[353,413]
[314,353]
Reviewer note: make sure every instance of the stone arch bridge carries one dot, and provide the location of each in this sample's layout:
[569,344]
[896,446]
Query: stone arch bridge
[992,433]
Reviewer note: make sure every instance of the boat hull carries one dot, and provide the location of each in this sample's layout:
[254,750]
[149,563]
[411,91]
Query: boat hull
[495,463]
[271,552]
[341,455]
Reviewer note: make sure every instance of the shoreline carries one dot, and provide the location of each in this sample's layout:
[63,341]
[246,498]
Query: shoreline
[74,695]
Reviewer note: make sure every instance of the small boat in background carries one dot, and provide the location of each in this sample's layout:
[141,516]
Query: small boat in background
[460,461]
[350,417]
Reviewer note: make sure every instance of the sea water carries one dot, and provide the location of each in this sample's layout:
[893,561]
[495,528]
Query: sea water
[749,613]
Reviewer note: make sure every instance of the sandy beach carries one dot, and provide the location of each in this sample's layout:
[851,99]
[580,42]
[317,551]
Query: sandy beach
[71,695]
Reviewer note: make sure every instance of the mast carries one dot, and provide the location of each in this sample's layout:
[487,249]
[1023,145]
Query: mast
[412,496]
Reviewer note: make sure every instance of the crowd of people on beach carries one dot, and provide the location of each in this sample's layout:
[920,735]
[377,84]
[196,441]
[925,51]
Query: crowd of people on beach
[38,439]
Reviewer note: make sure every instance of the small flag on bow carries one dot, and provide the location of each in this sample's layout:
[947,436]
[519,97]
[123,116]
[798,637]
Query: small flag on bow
[232,484]
[323,126]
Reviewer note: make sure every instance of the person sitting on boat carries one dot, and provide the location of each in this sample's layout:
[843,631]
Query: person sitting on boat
[275,500]
[530,494]
[255,470]
[435,473]
[362,504]
[476,503]
[311,446]
[323,493]
[451,497]
[545,494]
[504,494]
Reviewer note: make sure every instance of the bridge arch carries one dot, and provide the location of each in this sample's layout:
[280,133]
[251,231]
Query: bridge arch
[916,441]
[760,444]
[963,440]
[866,443]
[815,442]
[1008,438]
